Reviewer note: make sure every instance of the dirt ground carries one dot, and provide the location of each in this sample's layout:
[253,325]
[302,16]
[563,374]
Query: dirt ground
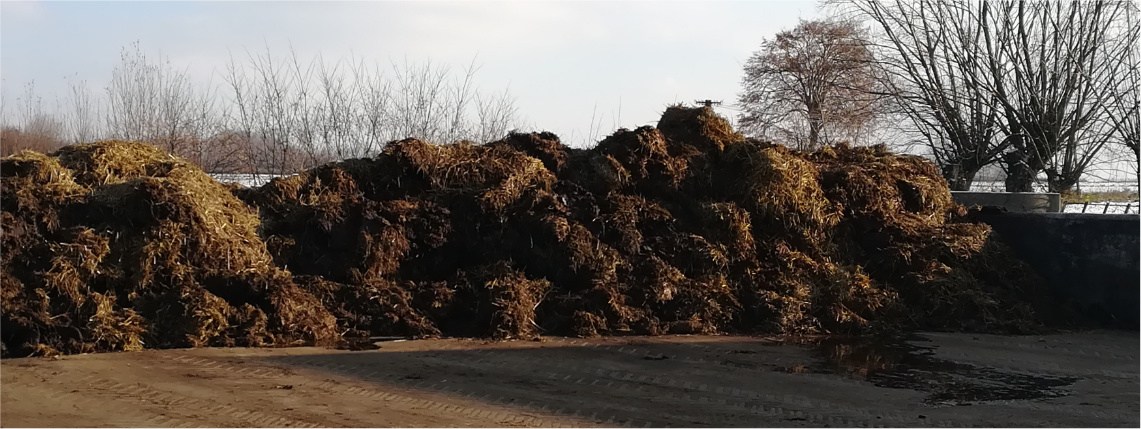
[1085,379]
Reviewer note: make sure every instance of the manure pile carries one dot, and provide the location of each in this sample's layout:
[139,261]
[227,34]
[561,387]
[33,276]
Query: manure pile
[684,228]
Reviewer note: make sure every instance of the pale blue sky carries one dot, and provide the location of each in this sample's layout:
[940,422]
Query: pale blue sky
[559,59]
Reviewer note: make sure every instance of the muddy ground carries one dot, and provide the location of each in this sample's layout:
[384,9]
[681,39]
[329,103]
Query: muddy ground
[931,379]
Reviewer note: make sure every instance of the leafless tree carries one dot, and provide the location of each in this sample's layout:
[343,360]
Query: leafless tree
[36,121]
[4,103]
[421,91]
[1028,84]
[82,116]
[35,128]
[1056,75]
[336,123]
[274,114]
[374,95]
[1126,117]
[1124,113]
[133,96]
[931,56]
[810,86]
[266,114]
[298,114]
[149,100]
[1125,109]
[497,116]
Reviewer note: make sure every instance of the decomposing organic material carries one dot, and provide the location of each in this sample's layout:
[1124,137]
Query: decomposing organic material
[683,228]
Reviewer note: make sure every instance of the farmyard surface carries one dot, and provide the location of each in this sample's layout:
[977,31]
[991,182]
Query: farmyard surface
[934,379]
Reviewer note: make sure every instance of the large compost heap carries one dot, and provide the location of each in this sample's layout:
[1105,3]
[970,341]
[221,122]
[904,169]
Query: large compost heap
[684,228]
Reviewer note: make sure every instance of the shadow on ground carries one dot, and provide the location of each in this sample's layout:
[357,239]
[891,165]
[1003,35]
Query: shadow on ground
[770,381]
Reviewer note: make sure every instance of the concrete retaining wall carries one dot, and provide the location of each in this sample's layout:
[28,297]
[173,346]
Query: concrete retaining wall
[1093,259]
[1019,202]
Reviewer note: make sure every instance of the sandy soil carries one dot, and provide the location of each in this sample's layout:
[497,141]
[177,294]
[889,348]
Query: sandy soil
[1078,379]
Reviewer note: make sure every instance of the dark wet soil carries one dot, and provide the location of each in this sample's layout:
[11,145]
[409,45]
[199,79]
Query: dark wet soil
[901,364]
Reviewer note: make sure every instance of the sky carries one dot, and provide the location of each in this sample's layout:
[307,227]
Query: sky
[622,62]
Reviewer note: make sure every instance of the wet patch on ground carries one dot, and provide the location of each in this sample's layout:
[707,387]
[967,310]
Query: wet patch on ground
[901,364]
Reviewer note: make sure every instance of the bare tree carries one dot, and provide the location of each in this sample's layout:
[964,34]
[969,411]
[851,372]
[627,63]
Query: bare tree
[417,108]
[150,101]
[36,129]
[4,102]
[275,115]
[932,58]
[810,86]
[1060,64]
[1025,83]
[337,125]
[82,116]
[296,114]
[1125,109]
[132,96]
[497,116]
[374,95]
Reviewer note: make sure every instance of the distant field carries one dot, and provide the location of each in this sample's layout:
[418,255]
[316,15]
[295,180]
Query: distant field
[1100,197]
[1085,187]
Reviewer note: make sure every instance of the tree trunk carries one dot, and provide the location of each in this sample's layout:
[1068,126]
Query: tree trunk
[1063,183]
[815,123]
[1019,177]
[958,177]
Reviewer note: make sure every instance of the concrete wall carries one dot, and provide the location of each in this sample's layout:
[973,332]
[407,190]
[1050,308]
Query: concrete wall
[1019,202]
[1092,259]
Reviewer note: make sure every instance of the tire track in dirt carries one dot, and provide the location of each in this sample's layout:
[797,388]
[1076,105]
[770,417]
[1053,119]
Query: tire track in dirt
[506,399]
[124,400]
[702,394]
[131,415]
[1106,340]
[336,387]
[1041,368]
[1013,365]
[996,362]
[449,388]
[680,394]
[718,381]
[1016,365]
[1106,347]
[506,393]
[1048,408]
[701,355]
[501,357]
[205,406]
